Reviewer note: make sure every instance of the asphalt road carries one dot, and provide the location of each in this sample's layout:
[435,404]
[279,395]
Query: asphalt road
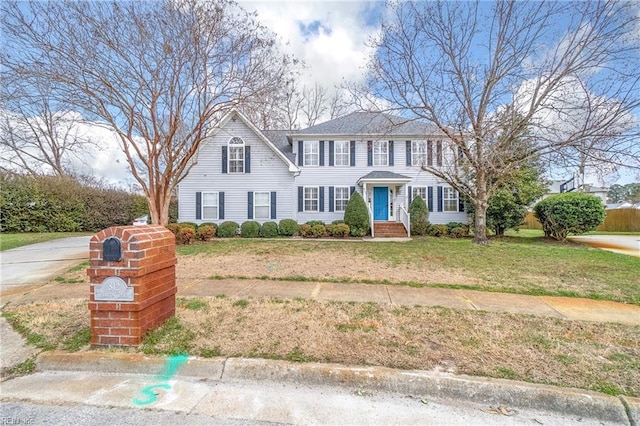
[37,263]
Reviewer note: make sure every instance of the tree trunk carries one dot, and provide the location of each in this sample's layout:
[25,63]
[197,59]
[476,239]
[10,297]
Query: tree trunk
[480,230]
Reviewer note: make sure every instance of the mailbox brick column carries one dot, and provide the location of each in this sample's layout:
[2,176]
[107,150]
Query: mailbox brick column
[134,291]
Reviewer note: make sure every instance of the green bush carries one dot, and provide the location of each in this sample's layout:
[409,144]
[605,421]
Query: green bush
[453,225]
[315,222]
[249,229]
[206,231]
[437,230]
[269,230]
[573,212]
[228,229]
[340,230]
[288,227]
[173,227]
[419,216]
[459,232]
[337,222]
[356,216]
[313,231]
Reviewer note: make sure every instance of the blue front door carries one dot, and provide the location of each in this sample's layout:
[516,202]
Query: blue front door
[380,203]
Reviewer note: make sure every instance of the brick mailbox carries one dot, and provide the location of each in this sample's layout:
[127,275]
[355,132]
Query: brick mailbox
[133,283]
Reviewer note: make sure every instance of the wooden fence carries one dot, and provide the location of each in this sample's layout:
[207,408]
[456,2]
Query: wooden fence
[617,220]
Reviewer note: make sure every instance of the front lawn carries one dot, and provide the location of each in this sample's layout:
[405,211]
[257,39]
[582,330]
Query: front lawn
[523,265]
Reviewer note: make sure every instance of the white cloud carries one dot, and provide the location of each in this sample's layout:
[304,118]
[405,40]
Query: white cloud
[329,36]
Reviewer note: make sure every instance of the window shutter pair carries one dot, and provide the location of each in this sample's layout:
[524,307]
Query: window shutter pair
[301,198]
[370,153]
[250,205]
[199,205]
[247,159]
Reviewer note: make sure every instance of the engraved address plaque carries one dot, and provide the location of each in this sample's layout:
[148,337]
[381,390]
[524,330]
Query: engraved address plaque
[113,289]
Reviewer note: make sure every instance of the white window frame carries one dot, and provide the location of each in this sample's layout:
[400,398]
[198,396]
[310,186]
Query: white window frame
[215,205]
[311,150]
[449,195]
[419,153]
[417,191]
[344,154]
[380,151]
[311,199]
[256,205]
[235,145]
[345,200]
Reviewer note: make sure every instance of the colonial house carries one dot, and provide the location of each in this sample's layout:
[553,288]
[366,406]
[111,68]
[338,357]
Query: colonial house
[243,173]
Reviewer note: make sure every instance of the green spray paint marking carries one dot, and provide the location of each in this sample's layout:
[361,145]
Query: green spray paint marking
[149,392]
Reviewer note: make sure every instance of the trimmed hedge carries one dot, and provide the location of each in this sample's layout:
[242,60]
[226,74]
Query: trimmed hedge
[269,230]
[356,216]
[288,227]
[249,229]
[573,212]
[227,229]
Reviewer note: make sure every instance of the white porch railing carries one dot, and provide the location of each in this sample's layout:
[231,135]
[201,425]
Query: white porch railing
[405,218]
[370,219]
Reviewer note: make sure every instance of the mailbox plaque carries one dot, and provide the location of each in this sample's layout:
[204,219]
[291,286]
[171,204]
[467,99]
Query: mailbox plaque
[112,249]
[113,289]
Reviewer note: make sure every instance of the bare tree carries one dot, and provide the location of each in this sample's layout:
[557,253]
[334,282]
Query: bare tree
[36,136]
[486,75]
[159,74]
[314,103]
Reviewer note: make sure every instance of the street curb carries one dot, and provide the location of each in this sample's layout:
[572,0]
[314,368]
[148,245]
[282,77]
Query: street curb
[425,384]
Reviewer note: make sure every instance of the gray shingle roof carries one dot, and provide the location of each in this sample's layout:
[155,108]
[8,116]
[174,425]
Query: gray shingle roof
[382,174]
[279,139]
[363,123]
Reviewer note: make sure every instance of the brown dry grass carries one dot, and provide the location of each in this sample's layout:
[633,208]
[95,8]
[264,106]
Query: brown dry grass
[602,357]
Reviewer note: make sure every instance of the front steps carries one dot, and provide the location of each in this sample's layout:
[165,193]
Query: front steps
[389,230]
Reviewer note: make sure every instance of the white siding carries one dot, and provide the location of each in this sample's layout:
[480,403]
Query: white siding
[348,176]
[268,173]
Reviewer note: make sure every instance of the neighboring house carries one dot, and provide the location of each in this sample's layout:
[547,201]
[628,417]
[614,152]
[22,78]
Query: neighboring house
[560,186]
[242,173]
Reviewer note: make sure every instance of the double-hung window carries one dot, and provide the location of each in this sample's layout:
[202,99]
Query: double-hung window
[419,191]
[261,205]
[380,153]
[311,153]
[341,153]
[450,199]
[311,198]
[341,198]
[210,206]
[419,153]
[236,155]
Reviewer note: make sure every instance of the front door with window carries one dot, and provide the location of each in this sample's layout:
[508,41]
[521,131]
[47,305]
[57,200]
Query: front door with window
[380,203]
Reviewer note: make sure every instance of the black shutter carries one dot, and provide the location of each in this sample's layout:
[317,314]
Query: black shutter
[391,153]
[331,198]
[247,159]
[273,205]
[409,153]
[331,153]
[460,203]
[409,195]
[439,198]
[439,152]
[321,199]
[224,159]
[198,205]
[300,153]
[352,190]
[250,205]
[429,153]
[300,198]
[430,198]
[369,153]
[352,153]
[321,152]
[220,205]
